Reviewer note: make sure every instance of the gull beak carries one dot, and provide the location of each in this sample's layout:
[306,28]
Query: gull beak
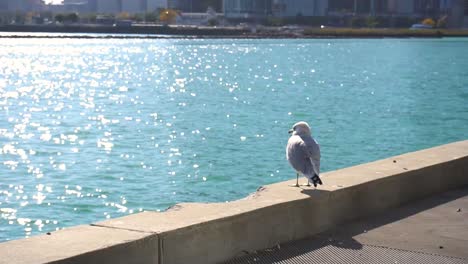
[290,131]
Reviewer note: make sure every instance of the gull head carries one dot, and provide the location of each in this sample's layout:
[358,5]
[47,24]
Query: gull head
[300,128]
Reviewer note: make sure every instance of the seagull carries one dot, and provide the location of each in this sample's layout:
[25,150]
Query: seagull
[303,153]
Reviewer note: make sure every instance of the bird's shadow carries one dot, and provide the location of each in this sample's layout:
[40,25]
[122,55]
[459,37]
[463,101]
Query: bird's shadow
[313,192]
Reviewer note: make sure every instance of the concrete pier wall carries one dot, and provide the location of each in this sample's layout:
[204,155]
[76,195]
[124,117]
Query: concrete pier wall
[277,213]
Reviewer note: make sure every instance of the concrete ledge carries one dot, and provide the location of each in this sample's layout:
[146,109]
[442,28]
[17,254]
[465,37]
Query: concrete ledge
[83,244]
[277,213]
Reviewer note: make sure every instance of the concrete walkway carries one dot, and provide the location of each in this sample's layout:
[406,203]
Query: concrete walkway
[434,230]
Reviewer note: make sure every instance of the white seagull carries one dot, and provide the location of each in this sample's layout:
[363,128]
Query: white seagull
[303,153]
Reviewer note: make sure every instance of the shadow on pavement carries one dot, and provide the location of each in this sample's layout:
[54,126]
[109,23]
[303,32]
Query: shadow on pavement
[342,236]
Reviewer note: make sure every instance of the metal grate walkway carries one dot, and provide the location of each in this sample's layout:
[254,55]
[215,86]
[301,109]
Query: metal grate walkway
[432,230]
[311,251]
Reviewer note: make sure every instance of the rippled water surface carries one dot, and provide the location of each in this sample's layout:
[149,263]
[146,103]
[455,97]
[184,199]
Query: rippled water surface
[96,129]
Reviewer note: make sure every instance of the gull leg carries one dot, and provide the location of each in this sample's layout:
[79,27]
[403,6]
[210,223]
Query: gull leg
[297,180]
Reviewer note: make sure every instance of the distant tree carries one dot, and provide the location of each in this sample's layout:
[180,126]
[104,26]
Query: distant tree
[46,14]
[3,18]
[59,18]
[213,22]
[442,22]
[139,17]
[19,18]
[404,21]
[383,21]
[123,16]
[168,16]
[67,18]
[72,17]
[429,22]
[151,16]
[371,22]
[300,18]
[90,18]
[274,21]
[8,17]
[357,22]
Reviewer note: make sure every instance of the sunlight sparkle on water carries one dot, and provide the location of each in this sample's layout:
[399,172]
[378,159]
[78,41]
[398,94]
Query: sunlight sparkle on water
[111,127]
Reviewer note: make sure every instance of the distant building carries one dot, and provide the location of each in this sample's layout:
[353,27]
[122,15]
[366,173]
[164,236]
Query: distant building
[16,5]
[419,8]
[92,6]
[445,5]
[21,5]
[133,6]
[465,14]
[71,2]
[182,5]
[200,18]
[290,8]
[454,11]
[105,20]
[3,5]
[400,7]
[429,8]
[130,6]
[457,12]
[278,8]
[368,7]
[79,6]
[154,5]
[247,9]
[196,6]
[108,6]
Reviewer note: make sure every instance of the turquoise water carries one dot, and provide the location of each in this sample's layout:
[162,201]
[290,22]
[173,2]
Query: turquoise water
[92,129]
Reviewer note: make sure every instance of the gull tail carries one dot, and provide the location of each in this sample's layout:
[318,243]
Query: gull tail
[315,179]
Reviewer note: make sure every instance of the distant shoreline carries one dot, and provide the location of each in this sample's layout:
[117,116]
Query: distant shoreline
[149,30]
[193,32]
